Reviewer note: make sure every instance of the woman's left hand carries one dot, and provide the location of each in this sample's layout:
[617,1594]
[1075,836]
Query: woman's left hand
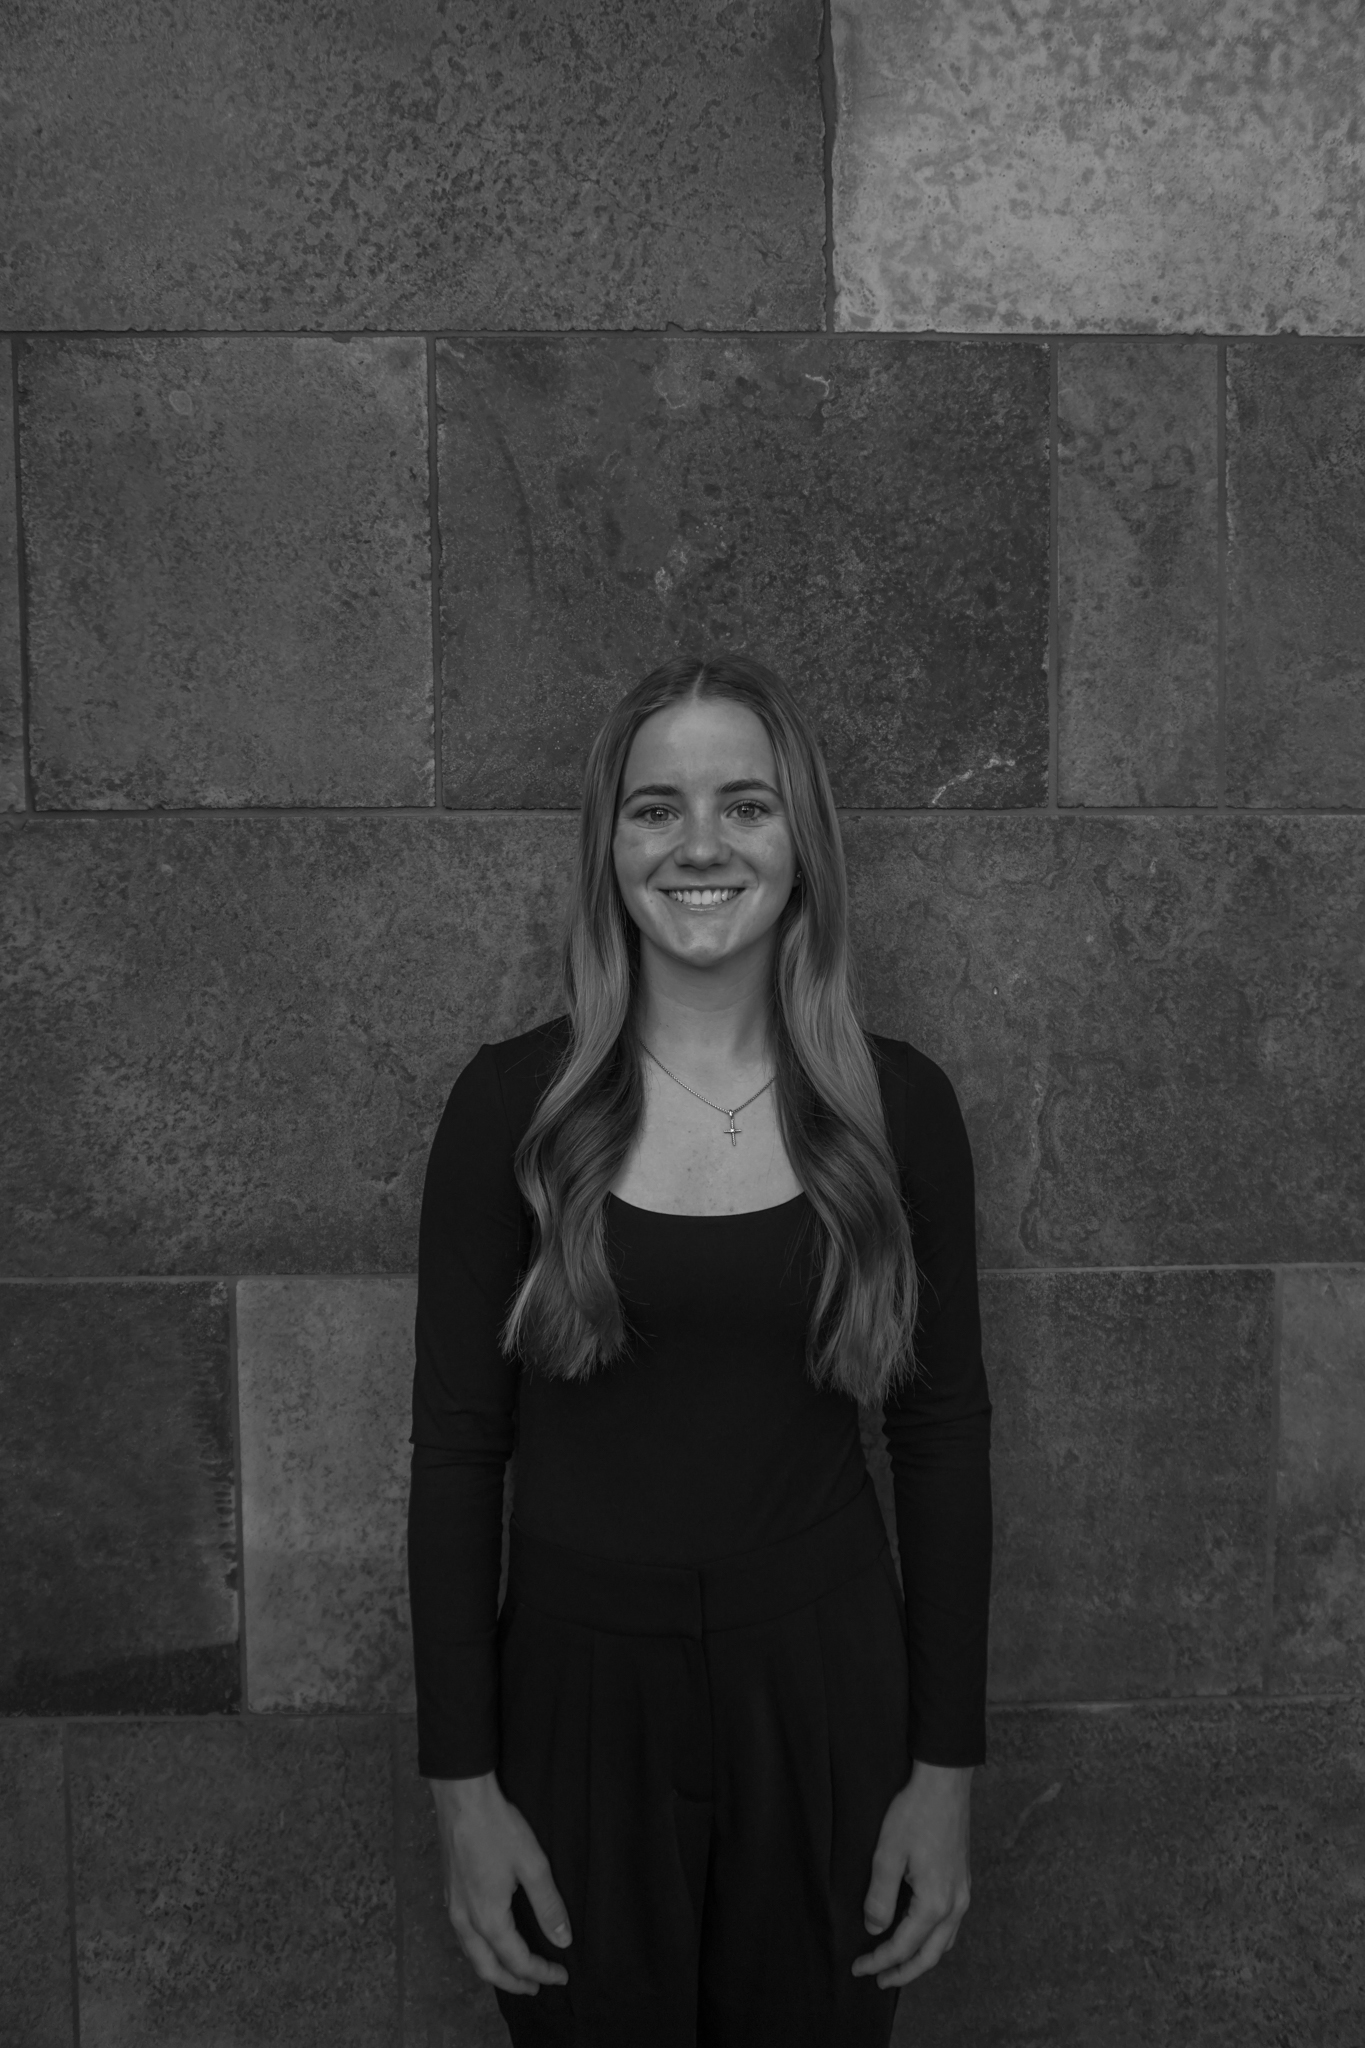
[924,1839]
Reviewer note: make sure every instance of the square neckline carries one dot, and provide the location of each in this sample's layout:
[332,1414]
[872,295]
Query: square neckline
[707,1215]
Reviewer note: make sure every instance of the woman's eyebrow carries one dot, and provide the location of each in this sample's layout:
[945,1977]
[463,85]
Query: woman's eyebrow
[725,789]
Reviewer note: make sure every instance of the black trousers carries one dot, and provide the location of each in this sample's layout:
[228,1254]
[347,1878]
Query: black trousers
[706,1758]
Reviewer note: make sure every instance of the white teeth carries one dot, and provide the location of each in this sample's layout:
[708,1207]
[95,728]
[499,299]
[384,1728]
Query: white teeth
[700,899]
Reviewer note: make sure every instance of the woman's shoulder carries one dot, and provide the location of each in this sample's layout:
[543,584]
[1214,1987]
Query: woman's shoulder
[520,1068]
[921,1102]
[905,1071]
[495,1093]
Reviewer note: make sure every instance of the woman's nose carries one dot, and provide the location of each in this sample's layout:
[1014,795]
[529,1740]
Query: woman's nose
[702,843]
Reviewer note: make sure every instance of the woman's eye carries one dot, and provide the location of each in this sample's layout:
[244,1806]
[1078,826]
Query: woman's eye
[749,808]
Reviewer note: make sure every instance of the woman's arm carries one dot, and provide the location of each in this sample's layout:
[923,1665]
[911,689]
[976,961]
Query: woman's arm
[938,1434]
[472,1242]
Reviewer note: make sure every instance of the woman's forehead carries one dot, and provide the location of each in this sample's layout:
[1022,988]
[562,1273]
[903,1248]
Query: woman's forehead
[700,738]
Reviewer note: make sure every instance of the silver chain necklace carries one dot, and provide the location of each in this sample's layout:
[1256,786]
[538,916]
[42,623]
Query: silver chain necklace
[733,1134]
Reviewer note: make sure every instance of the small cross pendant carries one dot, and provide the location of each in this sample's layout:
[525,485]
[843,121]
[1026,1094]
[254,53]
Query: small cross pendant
[735,1135]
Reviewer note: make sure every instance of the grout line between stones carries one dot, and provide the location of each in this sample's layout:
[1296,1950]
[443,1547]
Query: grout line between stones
[854,336]
[829,116]
[848,813]
[235,1404]
[69,1824]
[1272,1484]
[434,533]
[1174,1266]
[1334,1696]
[191,1279]
[1054,599]
[1242,1700]
[16,344]
[360,1718]
[1220,743]
[986,1272]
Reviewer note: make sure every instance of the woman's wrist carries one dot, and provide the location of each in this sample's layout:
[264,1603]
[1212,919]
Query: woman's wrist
[461,1795]
[951,1778]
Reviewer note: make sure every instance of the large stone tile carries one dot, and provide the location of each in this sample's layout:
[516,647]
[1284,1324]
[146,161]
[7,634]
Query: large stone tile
[1138,573]
[1159,1878]
[117,1502]
[869,517]
[1132,1458]
[324,1385]
[231,1038]
[445,2003]
[1320,1509]
[324,1382]
[11,684]
[229,572]
[430,165]
[35,1954]
[1153,1024]
[1296,576]
[1082,167]
[234,1884]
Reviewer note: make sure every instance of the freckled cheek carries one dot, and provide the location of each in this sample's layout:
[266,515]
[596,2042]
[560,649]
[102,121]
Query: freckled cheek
[631,868]
[632,878]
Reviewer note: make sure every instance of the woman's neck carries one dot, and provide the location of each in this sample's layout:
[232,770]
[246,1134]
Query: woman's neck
[717,1020]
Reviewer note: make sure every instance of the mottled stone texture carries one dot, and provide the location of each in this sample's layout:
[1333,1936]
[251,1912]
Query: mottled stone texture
[11,684]
[1086,165]
[234,1883]
[229,572]
[1137,514]
[1168,1877]
[869,517]
[1132,1451]
[324,1377]
[1296,576]
[229,1040]
[117,1505]
[35,1957]
[445,2004]
[1153,1024]
[620,163]
[232,1038]
[1320,1509]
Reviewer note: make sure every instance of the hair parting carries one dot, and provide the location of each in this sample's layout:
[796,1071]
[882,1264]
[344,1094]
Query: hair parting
[566,1316]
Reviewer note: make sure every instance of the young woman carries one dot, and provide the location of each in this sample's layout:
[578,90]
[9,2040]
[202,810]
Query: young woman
[705,1778]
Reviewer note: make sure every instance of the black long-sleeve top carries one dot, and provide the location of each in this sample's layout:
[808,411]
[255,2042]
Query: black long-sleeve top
[707,1438]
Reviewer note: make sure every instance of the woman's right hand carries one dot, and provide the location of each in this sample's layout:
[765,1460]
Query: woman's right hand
[487,1850]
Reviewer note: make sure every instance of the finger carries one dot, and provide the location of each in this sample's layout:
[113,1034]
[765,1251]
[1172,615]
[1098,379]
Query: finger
[933,1948]
[879,1907]
[511,1951]
[918,1924]
[550,1911]
[488,1966]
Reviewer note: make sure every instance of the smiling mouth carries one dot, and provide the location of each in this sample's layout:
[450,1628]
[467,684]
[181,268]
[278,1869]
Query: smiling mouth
[701,899]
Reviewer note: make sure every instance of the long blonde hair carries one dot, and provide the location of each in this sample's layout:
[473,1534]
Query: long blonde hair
[566,1317]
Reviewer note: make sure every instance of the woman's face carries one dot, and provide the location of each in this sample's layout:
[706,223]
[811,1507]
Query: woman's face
[703,845]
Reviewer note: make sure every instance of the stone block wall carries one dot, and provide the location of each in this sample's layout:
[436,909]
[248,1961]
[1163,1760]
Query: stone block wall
[387,389]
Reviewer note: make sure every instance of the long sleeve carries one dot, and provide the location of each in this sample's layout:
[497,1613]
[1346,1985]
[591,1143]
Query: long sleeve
[473,1242]
[938,1431]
